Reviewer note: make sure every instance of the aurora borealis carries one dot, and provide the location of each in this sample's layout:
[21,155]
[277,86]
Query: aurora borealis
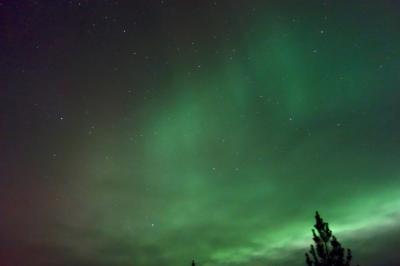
[154,132]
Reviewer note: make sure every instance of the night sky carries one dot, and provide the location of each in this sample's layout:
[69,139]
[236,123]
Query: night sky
[148,133]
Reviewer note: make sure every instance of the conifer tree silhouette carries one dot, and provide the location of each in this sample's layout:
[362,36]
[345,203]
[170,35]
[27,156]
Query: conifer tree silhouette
[327,250]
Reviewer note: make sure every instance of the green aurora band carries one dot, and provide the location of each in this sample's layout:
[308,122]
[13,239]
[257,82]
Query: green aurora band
[229,160]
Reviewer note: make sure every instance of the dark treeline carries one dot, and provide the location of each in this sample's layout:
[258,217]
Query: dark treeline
[326,250]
